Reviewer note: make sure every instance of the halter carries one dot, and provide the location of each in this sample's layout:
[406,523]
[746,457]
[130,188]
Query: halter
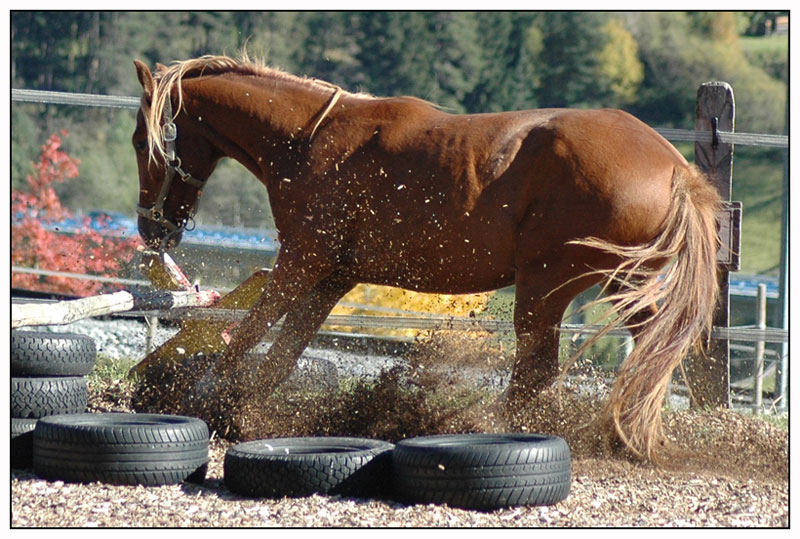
[173,167]
[155,212]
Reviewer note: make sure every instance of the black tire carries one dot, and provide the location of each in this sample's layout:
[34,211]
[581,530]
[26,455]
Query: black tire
[35,353]
[22,442]
[482,471]
[39,397]
[121,449]
[295,467]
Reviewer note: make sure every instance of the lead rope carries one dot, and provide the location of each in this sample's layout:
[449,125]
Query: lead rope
[331,104]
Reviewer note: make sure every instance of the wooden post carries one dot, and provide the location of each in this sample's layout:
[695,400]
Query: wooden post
[709,377]
[758,370]
[152,326]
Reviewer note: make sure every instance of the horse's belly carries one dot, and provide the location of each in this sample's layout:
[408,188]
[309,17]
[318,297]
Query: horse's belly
[446,266]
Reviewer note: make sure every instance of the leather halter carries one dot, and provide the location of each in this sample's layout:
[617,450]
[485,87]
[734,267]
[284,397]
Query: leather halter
[173,168]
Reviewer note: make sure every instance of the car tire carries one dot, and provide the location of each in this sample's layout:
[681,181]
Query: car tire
[482,471]
[121,448]
[21,448]
[294,467]
[44,396]
[35,353]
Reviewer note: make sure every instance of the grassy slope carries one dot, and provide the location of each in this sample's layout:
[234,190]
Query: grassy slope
[758,183]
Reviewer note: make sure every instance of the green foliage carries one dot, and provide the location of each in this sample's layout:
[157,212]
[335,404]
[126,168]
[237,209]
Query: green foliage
[430,55]
[234,198]
[509,46]
[759,181]
[680,52]
[650,63]
[25,139]
[108,370]
[570,62]
[109,177]
[770,53]
[618,64]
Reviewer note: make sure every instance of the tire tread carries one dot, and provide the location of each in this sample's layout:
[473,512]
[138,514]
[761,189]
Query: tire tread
[39,353]
[479,476]
[73,448]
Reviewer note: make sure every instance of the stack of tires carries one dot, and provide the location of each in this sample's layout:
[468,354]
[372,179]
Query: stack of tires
[48,377]
[51,432]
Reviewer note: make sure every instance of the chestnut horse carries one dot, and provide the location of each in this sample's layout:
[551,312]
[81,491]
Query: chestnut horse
[393,191]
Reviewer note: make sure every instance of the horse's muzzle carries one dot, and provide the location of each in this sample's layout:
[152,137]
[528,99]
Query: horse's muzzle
[156,236]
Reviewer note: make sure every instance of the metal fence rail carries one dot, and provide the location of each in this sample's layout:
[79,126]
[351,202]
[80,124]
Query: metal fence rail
[127,102]
[69,98]
[428,321]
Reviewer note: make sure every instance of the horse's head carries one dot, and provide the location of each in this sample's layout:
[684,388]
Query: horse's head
[174,160]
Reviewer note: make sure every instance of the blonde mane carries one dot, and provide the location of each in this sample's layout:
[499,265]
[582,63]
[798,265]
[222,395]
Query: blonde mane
[169,78]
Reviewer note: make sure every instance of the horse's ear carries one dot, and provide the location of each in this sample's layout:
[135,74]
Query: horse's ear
[145,78]
[160,68]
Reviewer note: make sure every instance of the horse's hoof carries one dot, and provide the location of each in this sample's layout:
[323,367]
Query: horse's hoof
[213,400]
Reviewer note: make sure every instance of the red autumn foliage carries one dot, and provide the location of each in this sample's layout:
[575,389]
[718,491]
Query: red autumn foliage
[35,243]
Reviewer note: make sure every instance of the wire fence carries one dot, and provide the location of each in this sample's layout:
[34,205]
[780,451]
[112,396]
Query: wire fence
[420,321]
[127,102]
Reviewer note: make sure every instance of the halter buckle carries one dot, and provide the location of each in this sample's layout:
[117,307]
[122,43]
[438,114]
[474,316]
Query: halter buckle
[170,132]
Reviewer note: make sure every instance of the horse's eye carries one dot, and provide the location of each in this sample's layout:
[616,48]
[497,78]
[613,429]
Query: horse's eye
[140,145]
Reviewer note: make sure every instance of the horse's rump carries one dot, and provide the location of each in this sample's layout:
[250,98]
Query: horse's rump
[686,295]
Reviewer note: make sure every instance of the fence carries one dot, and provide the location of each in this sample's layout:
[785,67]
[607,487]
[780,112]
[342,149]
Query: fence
[714,139]
[132,103]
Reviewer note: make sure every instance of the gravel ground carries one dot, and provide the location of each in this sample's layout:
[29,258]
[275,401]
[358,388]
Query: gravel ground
[742,481]
[615,493]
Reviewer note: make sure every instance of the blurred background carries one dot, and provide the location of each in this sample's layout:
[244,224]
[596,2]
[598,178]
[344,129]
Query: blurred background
[649,64]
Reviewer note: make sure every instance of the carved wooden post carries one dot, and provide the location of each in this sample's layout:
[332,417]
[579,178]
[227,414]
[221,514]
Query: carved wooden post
[709,377]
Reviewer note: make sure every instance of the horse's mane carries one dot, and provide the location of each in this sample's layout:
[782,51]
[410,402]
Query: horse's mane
[169,78]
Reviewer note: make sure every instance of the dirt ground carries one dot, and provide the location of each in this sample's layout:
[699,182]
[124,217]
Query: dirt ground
[721,468]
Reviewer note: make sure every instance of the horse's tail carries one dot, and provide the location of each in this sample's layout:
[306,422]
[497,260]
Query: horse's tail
[686,295]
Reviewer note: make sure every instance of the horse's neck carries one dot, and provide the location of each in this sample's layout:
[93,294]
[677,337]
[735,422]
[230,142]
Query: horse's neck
[270,120]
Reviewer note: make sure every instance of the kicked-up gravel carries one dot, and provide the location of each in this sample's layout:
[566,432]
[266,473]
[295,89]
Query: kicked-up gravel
[728,469]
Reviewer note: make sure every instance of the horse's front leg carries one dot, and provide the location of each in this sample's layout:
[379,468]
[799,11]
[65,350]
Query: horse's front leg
[234,379]
[301,324]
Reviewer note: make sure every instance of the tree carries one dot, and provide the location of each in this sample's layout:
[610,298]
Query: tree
[395,55]
[509,45]
[471,62]
[679,55]
[35,244]
[457,61]
[570,68]
[618,65]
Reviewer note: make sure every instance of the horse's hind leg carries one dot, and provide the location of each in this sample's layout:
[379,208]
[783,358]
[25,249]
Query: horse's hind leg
[540,302]
[537,318]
